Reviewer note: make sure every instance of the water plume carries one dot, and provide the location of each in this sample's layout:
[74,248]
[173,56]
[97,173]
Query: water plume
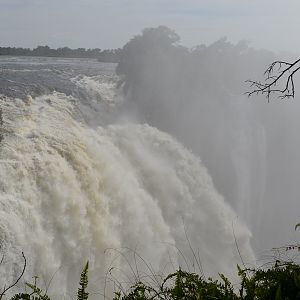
[69,191]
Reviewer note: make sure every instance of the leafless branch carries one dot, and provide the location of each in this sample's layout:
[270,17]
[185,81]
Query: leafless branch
[279,79]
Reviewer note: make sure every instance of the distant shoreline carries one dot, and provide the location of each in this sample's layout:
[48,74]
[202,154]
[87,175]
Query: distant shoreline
[58,57]
[107,55]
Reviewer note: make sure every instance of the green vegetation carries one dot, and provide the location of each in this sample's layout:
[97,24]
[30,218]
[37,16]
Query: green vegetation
[38,294]
[108,55]
[35,294]
[279,282]
[82,293]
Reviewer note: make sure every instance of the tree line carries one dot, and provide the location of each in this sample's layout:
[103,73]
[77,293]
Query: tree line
[107,55]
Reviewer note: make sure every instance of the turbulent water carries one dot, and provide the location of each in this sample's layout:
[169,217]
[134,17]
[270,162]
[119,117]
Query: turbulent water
[78,184]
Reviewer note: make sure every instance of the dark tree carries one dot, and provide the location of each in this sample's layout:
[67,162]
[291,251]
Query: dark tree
[279,79]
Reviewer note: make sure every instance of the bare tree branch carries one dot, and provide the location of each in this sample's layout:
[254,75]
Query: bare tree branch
[279,79]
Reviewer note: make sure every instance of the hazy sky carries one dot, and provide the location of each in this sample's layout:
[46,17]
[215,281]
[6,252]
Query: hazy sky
[272,24]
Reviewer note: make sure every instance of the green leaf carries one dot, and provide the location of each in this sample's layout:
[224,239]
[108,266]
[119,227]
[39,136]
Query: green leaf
[278,293]
[297,280]
[82,294]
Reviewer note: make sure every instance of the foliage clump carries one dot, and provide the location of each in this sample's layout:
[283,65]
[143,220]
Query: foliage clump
[35,294]
[277,283]
[281,282]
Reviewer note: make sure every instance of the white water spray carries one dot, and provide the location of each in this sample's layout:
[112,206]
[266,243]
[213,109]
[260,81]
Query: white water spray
[68,192]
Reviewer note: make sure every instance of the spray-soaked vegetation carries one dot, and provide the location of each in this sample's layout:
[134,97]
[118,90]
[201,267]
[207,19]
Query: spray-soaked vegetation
[277,283]
[280,282]
[162,78]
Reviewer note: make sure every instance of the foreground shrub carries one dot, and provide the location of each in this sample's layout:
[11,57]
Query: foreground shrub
[182,285]
[277,283]
[280,282]
[36,293]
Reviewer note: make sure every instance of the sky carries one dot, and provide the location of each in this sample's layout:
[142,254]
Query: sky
[269,24]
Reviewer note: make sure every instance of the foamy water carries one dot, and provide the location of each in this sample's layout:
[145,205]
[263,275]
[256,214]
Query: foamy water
[69,192]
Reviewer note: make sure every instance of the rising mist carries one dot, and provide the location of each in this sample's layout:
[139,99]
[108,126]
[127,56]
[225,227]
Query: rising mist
[250,147]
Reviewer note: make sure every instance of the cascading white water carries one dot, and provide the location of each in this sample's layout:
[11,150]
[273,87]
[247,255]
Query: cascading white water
[68,192]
